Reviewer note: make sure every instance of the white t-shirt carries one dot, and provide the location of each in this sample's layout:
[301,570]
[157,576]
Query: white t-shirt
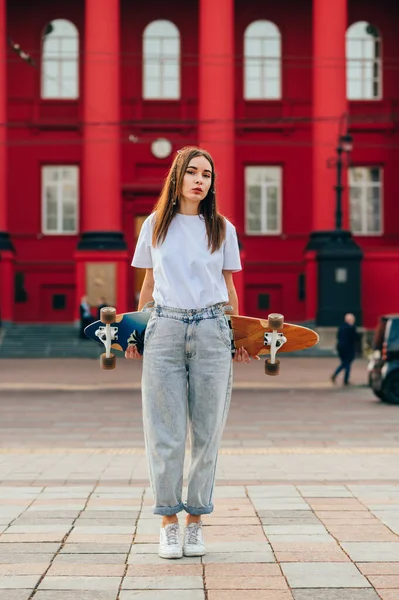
[186,273]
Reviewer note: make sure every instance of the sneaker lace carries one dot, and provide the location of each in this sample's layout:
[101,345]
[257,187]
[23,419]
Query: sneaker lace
[193,531]
[172,536]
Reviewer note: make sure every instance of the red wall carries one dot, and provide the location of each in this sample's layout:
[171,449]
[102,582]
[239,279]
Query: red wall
[272,133]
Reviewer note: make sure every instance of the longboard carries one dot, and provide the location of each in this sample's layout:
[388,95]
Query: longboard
[257,336]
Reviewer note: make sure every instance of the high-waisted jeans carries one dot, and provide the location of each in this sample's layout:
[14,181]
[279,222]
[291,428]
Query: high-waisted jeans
[186,385]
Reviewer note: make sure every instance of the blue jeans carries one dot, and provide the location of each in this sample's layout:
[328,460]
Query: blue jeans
[186,386]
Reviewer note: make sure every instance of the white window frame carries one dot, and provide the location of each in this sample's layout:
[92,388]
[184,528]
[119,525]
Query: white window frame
[69,89]
[162,59]
[59,185]
[262,61]
[365,63]
[365,185]
[264,200]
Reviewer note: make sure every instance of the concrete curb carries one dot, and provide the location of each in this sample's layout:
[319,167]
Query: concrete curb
[224,450]
[128,386]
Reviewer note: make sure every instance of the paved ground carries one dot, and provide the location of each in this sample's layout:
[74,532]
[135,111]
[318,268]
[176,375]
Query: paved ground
[307,495]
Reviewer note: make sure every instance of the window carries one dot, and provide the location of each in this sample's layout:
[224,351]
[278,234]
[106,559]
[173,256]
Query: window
[60,199]
[263,200]
[161,56]
[364,63]
[60,60]
[365,186]
[262,64]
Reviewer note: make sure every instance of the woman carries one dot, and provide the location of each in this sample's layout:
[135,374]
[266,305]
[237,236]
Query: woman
[189,252]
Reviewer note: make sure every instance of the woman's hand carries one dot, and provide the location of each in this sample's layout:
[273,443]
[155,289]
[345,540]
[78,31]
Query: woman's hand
[132,352]
[242,356]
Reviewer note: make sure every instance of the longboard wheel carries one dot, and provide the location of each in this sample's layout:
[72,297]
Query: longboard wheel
[108,362]
[108,315]
[276,321]
[272,368]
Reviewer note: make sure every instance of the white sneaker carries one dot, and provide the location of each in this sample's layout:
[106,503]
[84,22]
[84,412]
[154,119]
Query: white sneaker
[170,542]
[193,540]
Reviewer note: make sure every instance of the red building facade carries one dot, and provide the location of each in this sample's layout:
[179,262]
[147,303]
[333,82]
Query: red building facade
[96,96]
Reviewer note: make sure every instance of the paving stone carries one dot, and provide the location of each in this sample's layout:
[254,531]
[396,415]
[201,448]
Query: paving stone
[110,559]
[379,568]
[176,568]
[277,505]
[95,549]
[86,570]
[249,595]
[25,557]
[235,534]
[368,533]
[48,508]
[238,546]
[110,584]
[242,570]
[246,583]
[104,529]
[266,491]
[105,522]
[49,516]
[298,538]
[384,581]
[72,595]
[32,520]
[23,568]
[15,538]
[31,548]
[389,594]
[37,528]
[163,583]
[265,556]
[162,595]
[15,594]
[11,582]
[341,594]
[286,514]
[323,575]
[312,556]
[88,515]
[100,538]
[306,518]
[372,551]
[290,529]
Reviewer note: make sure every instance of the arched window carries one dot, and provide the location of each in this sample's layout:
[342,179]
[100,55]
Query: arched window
[60,60]
[161,61]
[364,64]
[262,67]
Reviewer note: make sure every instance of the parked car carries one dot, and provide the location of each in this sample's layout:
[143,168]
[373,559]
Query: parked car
[383,366]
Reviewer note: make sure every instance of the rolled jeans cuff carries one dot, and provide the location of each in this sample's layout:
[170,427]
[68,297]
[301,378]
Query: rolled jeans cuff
[168,511]
[202,510]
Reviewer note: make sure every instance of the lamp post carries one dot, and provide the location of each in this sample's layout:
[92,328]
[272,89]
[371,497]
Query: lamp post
[344,146]
[338,255]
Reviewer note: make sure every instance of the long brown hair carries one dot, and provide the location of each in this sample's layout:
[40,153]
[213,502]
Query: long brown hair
[168,201]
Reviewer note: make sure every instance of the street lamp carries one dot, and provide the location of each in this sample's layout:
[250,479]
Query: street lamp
[344,146]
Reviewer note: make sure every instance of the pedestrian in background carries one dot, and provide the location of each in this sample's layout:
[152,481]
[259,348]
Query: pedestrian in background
[346,347]
[85,316]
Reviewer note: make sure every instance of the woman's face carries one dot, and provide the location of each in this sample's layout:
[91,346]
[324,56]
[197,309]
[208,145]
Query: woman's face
[197,180]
